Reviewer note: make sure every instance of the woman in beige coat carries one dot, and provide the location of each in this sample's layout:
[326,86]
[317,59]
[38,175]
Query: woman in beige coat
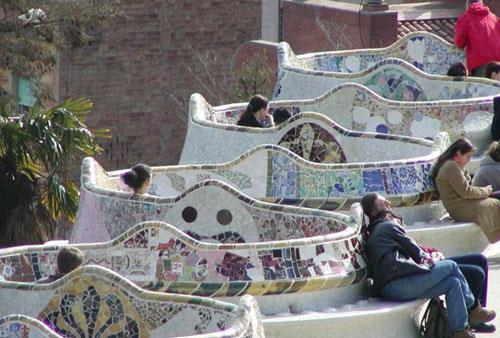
[464,202]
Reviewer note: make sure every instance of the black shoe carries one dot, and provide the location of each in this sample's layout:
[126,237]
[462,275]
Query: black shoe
[483,328]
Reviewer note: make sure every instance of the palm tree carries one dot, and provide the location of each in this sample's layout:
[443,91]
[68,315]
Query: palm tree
[34,150]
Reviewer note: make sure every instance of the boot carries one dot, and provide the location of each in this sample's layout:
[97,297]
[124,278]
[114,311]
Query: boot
[465,333]
[479,315]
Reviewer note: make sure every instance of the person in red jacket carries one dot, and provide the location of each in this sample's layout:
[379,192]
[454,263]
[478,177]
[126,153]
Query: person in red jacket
[478,31]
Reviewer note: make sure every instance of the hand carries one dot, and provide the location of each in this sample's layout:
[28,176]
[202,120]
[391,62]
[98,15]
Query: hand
[437,256]
[427,260]
[270,120]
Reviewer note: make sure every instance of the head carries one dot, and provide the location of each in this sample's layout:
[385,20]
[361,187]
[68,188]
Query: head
[470,2]
[494,151]
[493,71]
[258,106]
[138,178]
[460,151]
[68,259]
[374,204]
[457,69]
[280,115]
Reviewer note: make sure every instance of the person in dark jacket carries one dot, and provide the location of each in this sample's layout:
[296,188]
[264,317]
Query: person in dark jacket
[402,270]
[257,113]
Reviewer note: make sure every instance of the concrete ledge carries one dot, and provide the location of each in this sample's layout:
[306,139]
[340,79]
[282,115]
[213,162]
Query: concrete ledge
[362,320]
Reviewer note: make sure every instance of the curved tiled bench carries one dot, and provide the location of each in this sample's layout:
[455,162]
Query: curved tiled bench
[94,301]
[426,51]
[211,208]
[314,271]
[213,136]
[276,175]
[390,78]
[26,327]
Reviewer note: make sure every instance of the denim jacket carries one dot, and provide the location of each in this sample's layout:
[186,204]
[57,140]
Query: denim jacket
[391,254]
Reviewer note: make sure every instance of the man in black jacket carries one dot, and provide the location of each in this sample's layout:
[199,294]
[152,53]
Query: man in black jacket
[403,271]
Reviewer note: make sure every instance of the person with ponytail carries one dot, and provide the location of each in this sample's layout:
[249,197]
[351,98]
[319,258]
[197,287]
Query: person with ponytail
[403,270]
[463,201]
[257,113]
[138,178]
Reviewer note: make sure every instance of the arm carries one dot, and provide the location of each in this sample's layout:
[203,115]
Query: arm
[458,182]
[479,180]
[408,243]
[461,34]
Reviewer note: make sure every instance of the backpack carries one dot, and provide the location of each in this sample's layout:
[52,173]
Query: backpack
[435,323]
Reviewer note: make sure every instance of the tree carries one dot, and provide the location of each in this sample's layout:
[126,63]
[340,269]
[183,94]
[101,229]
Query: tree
[32,32]
[34,191]
[253,77]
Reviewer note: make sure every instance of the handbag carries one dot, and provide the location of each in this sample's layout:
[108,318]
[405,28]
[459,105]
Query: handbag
[435,322]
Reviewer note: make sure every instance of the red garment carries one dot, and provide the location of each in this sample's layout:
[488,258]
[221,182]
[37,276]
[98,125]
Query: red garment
[478,31]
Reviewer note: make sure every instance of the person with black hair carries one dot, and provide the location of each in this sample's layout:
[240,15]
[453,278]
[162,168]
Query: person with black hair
[402,270]
[138,178]
[489,169]
[463,201]
[257,113]
[68,259]
[493,71]
[457,69]
[280,115]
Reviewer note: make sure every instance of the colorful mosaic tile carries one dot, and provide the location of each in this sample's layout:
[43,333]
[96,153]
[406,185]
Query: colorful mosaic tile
[19,326]
[210,210]
[392,78]
[426,51]
[352,106]
[95,302]
[159,257]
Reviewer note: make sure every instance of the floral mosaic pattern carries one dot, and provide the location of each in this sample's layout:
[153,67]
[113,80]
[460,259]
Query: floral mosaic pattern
[95,302]
[161,258]
[424,50]
[313,143]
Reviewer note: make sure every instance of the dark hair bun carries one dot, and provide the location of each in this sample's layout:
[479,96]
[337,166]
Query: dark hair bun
[136,176]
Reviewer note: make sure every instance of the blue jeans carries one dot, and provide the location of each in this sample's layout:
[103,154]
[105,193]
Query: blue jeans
[474,267]
[444,278]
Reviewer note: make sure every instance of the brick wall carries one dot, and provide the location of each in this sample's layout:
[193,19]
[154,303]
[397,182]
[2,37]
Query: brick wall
[319,25]
[140,75]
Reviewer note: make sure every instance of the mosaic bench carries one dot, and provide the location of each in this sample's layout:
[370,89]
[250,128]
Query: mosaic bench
[20,326]
[159,257]
[426,51]
[93,301]
[289,279]
[390,78]
[213,136]
[210,208]
[273,174]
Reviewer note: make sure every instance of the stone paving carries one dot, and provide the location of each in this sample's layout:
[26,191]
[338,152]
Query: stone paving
[494,287]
